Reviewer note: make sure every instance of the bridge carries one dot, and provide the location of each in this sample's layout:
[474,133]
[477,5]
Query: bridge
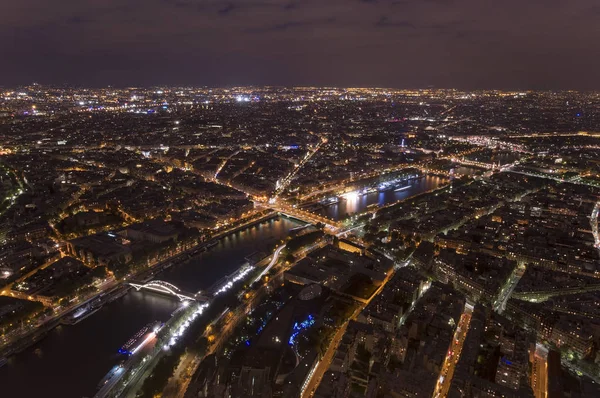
[543,295]
[306,216]
[165,288]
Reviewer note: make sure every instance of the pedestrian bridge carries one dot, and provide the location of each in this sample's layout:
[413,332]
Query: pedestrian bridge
[166,288]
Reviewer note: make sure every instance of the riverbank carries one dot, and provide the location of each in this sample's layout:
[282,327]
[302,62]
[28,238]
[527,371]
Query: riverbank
[35,335]
[56,357]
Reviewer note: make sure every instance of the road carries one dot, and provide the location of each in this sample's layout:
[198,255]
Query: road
[288,179]
[325,361]
[508,289]
[271,263]
[539,372]
[177,387]
[178,384]
[9,341]
[20,338]
[447,372]
[546,176]
[107,388]
[182,375]
[342,233]
[6,289]
[594,224]
[307,216]
[342,186]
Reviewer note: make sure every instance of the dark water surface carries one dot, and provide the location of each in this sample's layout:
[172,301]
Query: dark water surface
[72,359]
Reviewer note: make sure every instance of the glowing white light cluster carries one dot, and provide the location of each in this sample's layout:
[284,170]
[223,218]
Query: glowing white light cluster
[184,325]
[240,275]
[351,195]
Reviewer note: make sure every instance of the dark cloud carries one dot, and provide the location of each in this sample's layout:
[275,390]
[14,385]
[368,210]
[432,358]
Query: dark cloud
[76,20]
[396,43]
[311,23]
[227,9]
[386,23]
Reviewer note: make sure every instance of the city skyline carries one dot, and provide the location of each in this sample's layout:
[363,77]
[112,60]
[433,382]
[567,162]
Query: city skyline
[300,199]
[346,241]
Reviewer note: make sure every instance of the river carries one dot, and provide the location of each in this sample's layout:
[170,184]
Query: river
[71,360]
[358,204]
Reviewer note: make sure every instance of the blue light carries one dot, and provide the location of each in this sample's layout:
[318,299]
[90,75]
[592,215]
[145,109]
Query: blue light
[124,352]
[248,343]
[297,328]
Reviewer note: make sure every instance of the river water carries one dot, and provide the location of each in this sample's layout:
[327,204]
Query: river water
[347,207]
[72,359]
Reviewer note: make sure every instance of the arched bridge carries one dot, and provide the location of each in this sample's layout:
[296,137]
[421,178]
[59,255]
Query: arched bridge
[164,287]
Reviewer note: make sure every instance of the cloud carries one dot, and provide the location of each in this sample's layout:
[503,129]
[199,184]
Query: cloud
[292,25]
[227,9]
[339,42]
[384,22]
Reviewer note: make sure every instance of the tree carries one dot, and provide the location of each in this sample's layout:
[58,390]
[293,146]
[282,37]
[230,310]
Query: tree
[99,272]
[157,381]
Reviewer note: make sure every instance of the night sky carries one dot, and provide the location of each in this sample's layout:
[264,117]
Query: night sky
[468,44]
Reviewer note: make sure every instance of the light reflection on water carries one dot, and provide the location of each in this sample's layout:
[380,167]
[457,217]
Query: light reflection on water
[72,359]
[347,207]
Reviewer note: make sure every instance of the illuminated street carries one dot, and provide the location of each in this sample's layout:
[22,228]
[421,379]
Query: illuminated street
[280,239]
[447,372]
[539,372]
[594,223]
[508,289]
[325,361]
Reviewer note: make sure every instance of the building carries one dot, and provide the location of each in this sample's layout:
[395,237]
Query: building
[100,249]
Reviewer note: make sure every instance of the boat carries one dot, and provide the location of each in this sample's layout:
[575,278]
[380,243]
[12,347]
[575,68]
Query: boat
[139,339]
[80,314]
[212,244]
[402,188]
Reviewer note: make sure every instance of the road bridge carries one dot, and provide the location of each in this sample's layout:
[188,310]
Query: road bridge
[543,295]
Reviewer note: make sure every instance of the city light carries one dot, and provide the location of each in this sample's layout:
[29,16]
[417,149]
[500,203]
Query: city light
[241,274]
[299,327]
[354,195]
[428,202]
